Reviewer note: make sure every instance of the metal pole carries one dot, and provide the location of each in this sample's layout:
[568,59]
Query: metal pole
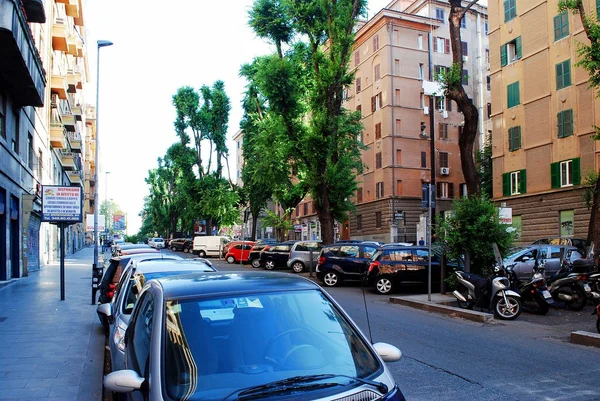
[97,142]
[432,127]
[429,246]
[61,227]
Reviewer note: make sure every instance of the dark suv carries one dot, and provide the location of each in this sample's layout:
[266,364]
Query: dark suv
[276,256]
[344,262]
[395,266]
[181,244]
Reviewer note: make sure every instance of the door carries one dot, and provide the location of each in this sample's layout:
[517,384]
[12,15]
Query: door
[526,262]
[15,260]
[402,266]
[349,260]
[554,258]
[3,243]
[281,255]
[139,343]
[366,252]
[422,260]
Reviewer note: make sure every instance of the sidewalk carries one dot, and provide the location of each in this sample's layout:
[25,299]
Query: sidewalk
[50,349]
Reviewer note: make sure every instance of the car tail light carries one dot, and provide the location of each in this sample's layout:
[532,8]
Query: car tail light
[321,260]
[374,265]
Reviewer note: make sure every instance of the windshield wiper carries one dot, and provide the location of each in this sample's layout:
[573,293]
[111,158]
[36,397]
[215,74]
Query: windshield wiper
[295,382]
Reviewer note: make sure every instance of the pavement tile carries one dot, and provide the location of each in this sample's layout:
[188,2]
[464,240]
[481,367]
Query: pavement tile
[53,382]
[26,393]
[18,367]
[64,391]
[12,383]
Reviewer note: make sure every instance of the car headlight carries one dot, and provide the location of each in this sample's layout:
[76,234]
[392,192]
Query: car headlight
[119,337]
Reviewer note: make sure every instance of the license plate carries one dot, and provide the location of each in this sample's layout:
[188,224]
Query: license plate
[587,288]
[546,294]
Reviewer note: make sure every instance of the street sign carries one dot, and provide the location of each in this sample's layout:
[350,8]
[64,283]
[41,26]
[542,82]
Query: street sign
[62,204]
[425,196]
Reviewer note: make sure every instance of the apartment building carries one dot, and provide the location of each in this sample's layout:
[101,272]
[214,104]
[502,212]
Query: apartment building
[543,116]
[42,71]
[402,46]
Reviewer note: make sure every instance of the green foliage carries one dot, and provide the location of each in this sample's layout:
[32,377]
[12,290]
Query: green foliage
[474,227]
[451,78]
[483,161]
[590,181]
[270,21]
[218,200]
[108,208]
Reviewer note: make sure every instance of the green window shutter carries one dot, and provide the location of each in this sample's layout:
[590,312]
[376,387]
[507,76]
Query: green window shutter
[567,73]
[557,27]
[517,135]
[555,175]
[506,10]
[559,76]
[504,56]
[568,122]
[506,184]
[513,94]
[598,10]
[561,124]
[523,181]
[518,47]
[511,138]
[576,171]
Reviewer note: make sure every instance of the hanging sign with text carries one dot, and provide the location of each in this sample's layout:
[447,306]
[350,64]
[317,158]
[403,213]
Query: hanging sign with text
[62,204]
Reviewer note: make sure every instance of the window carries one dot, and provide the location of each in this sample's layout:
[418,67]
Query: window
[488,80]
[376,72]
[375,43]
[376,102]
[514,183]
[398,157]
[443,132]
[379,191]
[514,138]
[565,123]
[489,110]
[463,21]
[17,138]
[297,210]
[398,126]
[397,96]
[444,159]
[378,161]
[486,27]
[420,42]
[143,333]
[359,195]
[439,71]
[566,173]
[462,188]
[465,77]
[513,95]
[441,45]
[420,71]
[423,159]
[378,131]
[305,207]
[356,58]
[359,222]
[2,116]
[440,102]
[422,100]
[561,25]
[517,227]
[445,190]
[30,151]
[397,67]
[510,10]
[378,219]
[358,88]
[397,35]
[448,104]
[511,52]
[439,14]
[563,74]
[359,109]
[567,220]
[465,50]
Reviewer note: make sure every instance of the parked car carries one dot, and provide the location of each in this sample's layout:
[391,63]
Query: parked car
[239,252]
[209,245]
[231,244]
[523,259]
[392,267]
[299,259]
[181,244]
[254,254]
[580,243]
[135,275]
[344,262]
[157,243]
[175,347]
[276,256]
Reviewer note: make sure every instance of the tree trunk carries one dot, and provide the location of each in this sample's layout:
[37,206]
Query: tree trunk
[457,93]
[325,216]
[594,226]
[254,225]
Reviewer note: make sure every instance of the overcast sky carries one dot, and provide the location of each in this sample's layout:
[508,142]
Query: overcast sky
[159,47]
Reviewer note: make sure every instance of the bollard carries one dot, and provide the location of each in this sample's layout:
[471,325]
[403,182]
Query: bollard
[312,262]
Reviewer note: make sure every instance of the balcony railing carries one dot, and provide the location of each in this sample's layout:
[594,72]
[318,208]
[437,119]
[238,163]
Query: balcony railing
[74,141]
[57,135]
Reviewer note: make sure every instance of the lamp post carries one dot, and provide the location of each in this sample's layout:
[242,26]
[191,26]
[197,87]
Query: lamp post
[101,43]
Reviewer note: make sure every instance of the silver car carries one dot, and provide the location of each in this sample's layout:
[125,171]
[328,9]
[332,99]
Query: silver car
[524,258]
[300,252]
[134,276]
[248,335]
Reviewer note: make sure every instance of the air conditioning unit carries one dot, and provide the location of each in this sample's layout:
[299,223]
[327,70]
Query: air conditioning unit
[465,58]
[445,114]
[425,110]
[444,170]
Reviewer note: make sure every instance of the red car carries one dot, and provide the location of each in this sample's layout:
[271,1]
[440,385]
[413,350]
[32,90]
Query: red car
[239,251]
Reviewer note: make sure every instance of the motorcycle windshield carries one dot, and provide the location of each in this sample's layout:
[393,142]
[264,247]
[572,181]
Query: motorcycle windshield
[497,255]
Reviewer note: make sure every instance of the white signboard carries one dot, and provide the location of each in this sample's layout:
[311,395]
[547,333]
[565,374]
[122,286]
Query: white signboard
[505,215]
[62,204]
[89,222]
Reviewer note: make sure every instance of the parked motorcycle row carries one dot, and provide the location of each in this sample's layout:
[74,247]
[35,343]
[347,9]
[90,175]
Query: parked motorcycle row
[575,285]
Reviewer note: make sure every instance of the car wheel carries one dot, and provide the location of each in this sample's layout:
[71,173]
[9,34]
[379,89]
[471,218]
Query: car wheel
[508,310]
[256,263]
[173,248]
[298,267]
[269,265]
[186,250]
[384,285]
[331,279]
[230,259]
[202,254]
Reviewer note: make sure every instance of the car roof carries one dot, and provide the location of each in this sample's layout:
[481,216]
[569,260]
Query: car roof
[138,250]
[154,256]
[134,246]
[219,283]
[183,265]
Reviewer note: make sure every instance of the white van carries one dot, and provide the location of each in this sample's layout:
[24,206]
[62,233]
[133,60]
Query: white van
[209,246]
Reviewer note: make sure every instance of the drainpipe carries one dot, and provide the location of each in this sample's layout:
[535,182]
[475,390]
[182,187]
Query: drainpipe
[394,225]
[482,88]
[432,125]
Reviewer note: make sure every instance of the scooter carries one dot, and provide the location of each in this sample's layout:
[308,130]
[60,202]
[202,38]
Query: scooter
[566,288]
[534,293]
[597,313]
[492,294]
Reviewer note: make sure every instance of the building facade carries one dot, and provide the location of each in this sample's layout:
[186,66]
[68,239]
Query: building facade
[42,70]
[395,52]
[543,115]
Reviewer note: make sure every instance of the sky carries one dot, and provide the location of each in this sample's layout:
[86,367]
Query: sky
[158,48]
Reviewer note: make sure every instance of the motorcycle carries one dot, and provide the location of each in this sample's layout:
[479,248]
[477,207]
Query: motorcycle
[488,293]
[534,293]
[566,287]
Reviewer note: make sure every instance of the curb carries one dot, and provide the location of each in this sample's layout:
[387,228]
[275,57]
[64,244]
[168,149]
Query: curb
[475,316]
[586,338]
[8,282]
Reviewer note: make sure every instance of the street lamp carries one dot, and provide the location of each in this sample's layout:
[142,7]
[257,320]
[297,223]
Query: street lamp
[101,43]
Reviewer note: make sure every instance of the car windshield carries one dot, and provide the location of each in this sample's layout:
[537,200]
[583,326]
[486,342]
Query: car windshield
[217,346]
[514,252]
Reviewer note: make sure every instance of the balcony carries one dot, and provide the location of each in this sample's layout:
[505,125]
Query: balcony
[72,8]
[72,45]
[68,120]
[58,85]
[77,112]
[74,141]
[74,177]
[57,136]
[59,35]
[34,10]
[67,159]
[20,65]
[90,178]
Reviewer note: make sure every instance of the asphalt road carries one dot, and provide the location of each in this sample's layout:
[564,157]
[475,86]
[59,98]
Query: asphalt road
[446,358]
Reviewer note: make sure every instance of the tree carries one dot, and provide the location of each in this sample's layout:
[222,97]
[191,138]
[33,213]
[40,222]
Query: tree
[589,60]
[455,91]
[325,141]
[108,208]
[483,161]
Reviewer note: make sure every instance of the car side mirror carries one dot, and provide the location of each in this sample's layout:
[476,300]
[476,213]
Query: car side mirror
[123,381]
[525,258]
[387,352]
[105,309]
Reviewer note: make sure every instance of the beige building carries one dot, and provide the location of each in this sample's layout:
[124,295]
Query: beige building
[394,53]
[543,115]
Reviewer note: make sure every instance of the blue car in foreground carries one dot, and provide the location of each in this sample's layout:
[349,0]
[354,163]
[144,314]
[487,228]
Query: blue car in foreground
[248,336]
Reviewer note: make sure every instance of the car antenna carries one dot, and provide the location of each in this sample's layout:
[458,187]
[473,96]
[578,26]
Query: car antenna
[362,286]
